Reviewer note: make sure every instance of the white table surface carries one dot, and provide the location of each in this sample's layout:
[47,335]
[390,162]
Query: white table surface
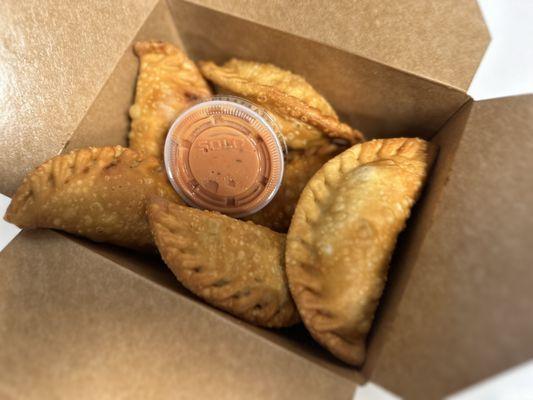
[506,70]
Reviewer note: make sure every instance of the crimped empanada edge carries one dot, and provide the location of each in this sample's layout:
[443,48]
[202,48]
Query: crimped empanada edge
[145,47]
[158,206]
[25,190]
[282,102]
[299,237]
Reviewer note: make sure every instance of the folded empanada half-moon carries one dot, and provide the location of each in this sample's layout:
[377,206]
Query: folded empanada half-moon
[234,265]
[98,193]
[306,119]
[342,236]
[168,82]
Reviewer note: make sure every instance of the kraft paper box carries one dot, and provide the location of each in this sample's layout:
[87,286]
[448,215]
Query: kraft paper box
[85,320]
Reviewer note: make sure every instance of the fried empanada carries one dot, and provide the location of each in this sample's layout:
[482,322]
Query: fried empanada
[234,265]
[342,236]
[98,193]
[168,82]
[299,168]
[306,119]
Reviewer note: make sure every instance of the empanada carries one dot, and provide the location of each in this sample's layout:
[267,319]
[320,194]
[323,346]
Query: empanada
[299,168]
[234,265]
[304,116]
[168,82]
[99,193]
[342,236]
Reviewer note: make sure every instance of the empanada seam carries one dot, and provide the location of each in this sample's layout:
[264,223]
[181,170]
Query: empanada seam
[245,302]
[319,190]
[54,179]
[330,125]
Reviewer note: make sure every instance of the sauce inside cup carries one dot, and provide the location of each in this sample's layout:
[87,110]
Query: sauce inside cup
[225,154]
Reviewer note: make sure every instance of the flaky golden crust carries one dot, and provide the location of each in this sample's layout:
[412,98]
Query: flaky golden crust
[168,82]
[304,115]
[298,170]
[343,233]
[234,265]
[98,193]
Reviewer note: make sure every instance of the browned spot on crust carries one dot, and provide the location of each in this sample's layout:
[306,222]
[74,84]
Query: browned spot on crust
[168,82]
[99,193]
[234,265]
[305,117]
[342,235]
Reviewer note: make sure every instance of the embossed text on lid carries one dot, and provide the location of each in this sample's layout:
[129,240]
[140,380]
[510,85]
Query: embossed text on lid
[224,154]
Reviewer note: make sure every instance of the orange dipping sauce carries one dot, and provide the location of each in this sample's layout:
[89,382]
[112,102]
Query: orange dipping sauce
[225,154]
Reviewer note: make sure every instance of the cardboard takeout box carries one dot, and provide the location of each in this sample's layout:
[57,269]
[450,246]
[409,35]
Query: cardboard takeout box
[85,320]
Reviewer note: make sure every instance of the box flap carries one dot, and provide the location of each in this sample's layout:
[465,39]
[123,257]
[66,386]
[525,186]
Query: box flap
[465,310]
[443,41]
[89,326]
[54,58]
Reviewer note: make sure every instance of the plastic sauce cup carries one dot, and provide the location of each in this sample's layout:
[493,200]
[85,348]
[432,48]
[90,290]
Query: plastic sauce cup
[225,154]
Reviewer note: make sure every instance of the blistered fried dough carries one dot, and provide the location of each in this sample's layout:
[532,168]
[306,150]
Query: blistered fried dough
[98,193]
[234,265]
[342,235]
[304,116]
[298,170]
[168,82]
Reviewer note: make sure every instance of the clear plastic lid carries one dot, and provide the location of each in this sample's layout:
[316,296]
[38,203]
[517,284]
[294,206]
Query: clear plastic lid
[225,154]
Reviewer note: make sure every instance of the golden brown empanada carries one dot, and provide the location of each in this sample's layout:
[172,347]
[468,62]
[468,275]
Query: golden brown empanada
[99,193]
[304,116]
[234,265]
[343,233]
[299,168]
[168,82]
